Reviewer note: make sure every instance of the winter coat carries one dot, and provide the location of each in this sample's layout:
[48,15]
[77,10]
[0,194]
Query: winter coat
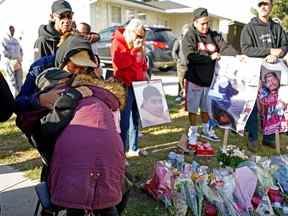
[257,38]
[47,42]
[129,64]
[87,167]
[7,101]
[27,99]
[177,52]
[197,49]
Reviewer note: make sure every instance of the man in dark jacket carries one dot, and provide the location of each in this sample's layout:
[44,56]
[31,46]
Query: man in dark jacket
[202,48]
[7,100]
[49,35]
[263,38]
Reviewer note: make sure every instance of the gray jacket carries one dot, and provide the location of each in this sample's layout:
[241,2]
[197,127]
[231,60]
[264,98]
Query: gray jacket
[177,52]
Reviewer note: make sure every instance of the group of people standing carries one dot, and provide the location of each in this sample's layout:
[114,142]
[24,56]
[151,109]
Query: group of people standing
[86,125]
[199,48]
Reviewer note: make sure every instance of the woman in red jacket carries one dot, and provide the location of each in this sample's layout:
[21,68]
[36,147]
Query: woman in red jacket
[129,64]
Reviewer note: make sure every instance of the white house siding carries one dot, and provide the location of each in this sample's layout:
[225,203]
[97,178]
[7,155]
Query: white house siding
[176,22]
[101,15]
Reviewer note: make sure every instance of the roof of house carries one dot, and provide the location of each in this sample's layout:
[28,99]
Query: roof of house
[166,5]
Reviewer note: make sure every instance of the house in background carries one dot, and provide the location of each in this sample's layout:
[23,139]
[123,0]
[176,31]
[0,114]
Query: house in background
[105,13]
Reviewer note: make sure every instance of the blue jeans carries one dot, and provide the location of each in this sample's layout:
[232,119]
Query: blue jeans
[129,122]
[252,128]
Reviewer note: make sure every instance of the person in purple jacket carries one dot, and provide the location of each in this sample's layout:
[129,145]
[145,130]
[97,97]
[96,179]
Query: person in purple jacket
[87,167]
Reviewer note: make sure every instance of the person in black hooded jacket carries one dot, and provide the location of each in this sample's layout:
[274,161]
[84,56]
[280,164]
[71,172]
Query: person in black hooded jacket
[202,48]
[7,100]
[49,35]
[263,38]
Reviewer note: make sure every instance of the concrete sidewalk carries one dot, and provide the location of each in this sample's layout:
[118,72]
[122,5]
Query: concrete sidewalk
[17,194]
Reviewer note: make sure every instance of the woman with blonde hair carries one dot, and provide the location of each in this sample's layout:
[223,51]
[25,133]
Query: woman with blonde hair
[129,64]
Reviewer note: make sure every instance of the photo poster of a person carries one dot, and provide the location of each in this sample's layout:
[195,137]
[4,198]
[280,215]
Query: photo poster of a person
[233,92]
[272,98]
[151,103]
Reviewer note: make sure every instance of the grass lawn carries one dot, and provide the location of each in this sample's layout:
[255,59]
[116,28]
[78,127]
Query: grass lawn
[16,151]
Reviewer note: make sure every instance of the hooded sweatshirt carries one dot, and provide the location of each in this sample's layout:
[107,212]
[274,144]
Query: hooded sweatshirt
[197,49]
[69,47]
[47,42]
[257,38]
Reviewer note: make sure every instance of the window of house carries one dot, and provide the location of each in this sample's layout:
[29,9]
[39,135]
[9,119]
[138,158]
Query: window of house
[116,15]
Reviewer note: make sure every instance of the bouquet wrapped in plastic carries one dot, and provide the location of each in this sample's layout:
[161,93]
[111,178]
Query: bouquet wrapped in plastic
[187,188]
[160,185]
[226,192]
[246,182]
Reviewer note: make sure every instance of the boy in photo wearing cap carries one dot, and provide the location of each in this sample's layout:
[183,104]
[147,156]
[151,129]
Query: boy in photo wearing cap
[49,35]
[201,47]
[264,38]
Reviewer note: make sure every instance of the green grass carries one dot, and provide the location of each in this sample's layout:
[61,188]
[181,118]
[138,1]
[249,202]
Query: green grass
[159,141]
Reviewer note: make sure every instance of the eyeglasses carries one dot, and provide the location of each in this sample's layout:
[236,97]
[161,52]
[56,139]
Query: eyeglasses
[65,16]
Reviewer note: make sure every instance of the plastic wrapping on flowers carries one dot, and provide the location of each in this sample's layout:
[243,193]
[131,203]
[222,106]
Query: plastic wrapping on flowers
[231,156]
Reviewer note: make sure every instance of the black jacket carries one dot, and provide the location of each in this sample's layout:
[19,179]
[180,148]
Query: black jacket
[7,101]
[197,49]
[257,38]
[47,42]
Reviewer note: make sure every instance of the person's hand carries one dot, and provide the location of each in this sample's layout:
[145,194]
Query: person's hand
[271,59]
[49,98]
[92,37]
[98,72]
[85,91]
[286,59]
[215,56]
[276,52]
[138,43]
[242,58]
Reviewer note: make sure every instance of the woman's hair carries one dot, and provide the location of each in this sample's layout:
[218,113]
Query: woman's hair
[131,28]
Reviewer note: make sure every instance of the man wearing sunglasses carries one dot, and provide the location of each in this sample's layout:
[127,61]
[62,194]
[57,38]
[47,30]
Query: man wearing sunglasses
[262,38]
[49,35]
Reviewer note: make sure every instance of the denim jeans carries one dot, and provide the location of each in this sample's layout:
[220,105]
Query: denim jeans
[129,122]
[252,128]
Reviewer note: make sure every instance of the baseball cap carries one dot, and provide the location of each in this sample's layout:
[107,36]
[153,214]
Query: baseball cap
[82,58]
[263,1]
[61,6]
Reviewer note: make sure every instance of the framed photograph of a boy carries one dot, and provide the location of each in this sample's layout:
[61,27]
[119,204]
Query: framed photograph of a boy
[151,103]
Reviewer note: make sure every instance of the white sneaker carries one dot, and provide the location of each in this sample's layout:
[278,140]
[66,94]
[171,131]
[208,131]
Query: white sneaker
[192,135]
[131,154]
[209,134]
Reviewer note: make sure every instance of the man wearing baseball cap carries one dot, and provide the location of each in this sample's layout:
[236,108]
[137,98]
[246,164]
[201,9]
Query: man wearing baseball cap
[202,47]
[262,38]
[49,35]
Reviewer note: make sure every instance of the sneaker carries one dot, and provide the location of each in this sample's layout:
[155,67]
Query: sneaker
[132,153]
[269,144]
[209,134]
[252,146]
[192,135]
[178,99]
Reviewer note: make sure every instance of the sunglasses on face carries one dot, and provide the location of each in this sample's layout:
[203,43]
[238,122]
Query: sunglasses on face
[140,36]
[65,16]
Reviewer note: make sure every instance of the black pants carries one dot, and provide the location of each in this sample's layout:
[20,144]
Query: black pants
[100,212]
